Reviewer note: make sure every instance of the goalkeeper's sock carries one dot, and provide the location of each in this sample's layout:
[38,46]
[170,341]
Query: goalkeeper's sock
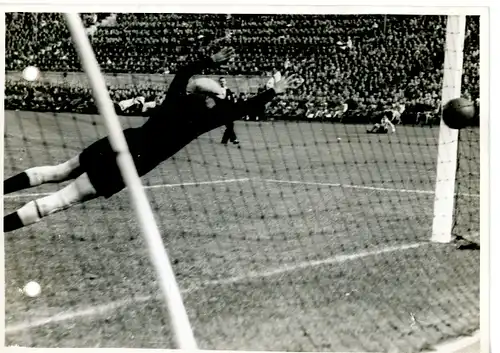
[17,182]
[12,222]
[26,215]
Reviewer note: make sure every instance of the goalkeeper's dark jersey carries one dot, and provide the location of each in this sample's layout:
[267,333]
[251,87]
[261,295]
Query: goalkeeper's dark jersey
[180,119]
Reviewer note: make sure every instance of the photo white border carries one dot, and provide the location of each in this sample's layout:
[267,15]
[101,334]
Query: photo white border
[359,7]
[2,128]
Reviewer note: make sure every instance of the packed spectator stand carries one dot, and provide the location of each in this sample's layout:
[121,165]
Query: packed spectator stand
[367,63]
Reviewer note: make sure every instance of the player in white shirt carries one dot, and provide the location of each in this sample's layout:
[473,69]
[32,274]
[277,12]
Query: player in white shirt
[396,112]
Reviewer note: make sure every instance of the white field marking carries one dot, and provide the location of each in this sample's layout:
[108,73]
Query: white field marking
[105,308]
[69,315]
[38,194]
[468,344]
[362,187]
[305,265]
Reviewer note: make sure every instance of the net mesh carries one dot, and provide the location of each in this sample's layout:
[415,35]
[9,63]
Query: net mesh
[311,234]
[466,218]
[466,212]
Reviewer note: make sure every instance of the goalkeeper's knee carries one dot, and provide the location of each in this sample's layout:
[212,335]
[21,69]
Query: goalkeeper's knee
[55,173]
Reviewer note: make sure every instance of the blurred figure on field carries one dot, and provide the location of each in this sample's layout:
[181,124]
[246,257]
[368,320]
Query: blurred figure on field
[229,134]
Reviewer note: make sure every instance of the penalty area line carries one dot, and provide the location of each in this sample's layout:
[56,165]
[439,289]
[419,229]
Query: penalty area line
[147,187]
[361,187]
[103,309]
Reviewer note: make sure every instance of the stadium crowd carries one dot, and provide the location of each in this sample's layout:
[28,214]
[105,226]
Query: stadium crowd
[353,66]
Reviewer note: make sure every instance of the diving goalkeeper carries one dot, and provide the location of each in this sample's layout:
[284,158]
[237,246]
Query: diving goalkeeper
[189,110]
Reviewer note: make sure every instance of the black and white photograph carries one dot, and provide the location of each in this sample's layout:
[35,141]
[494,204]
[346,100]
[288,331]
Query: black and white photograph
[245,181]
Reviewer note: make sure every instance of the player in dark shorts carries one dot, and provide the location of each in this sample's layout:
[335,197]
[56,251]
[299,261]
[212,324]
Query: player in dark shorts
[188,111]
[229,133]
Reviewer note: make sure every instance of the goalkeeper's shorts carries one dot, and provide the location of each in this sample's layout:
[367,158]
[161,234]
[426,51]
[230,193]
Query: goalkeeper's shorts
[99,162]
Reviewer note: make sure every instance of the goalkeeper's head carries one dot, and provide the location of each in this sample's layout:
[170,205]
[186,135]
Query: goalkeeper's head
[210,89]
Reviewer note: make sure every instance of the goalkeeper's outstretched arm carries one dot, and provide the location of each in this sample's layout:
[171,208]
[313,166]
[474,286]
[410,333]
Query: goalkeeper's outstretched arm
[244,108]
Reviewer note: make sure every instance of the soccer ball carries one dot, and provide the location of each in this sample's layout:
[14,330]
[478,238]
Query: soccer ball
[459,113]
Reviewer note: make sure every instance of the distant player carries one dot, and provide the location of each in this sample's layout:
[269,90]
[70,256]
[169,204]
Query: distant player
[396,112]
[229,134]
[339,110]
[383,127]
[180,119]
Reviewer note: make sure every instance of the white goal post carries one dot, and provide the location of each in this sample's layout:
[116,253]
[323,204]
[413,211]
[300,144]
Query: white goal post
[444,195]
[181,327]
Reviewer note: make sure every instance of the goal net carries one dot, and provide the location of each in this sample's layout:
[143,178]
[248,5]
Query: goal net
[310,224]
[466,217]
